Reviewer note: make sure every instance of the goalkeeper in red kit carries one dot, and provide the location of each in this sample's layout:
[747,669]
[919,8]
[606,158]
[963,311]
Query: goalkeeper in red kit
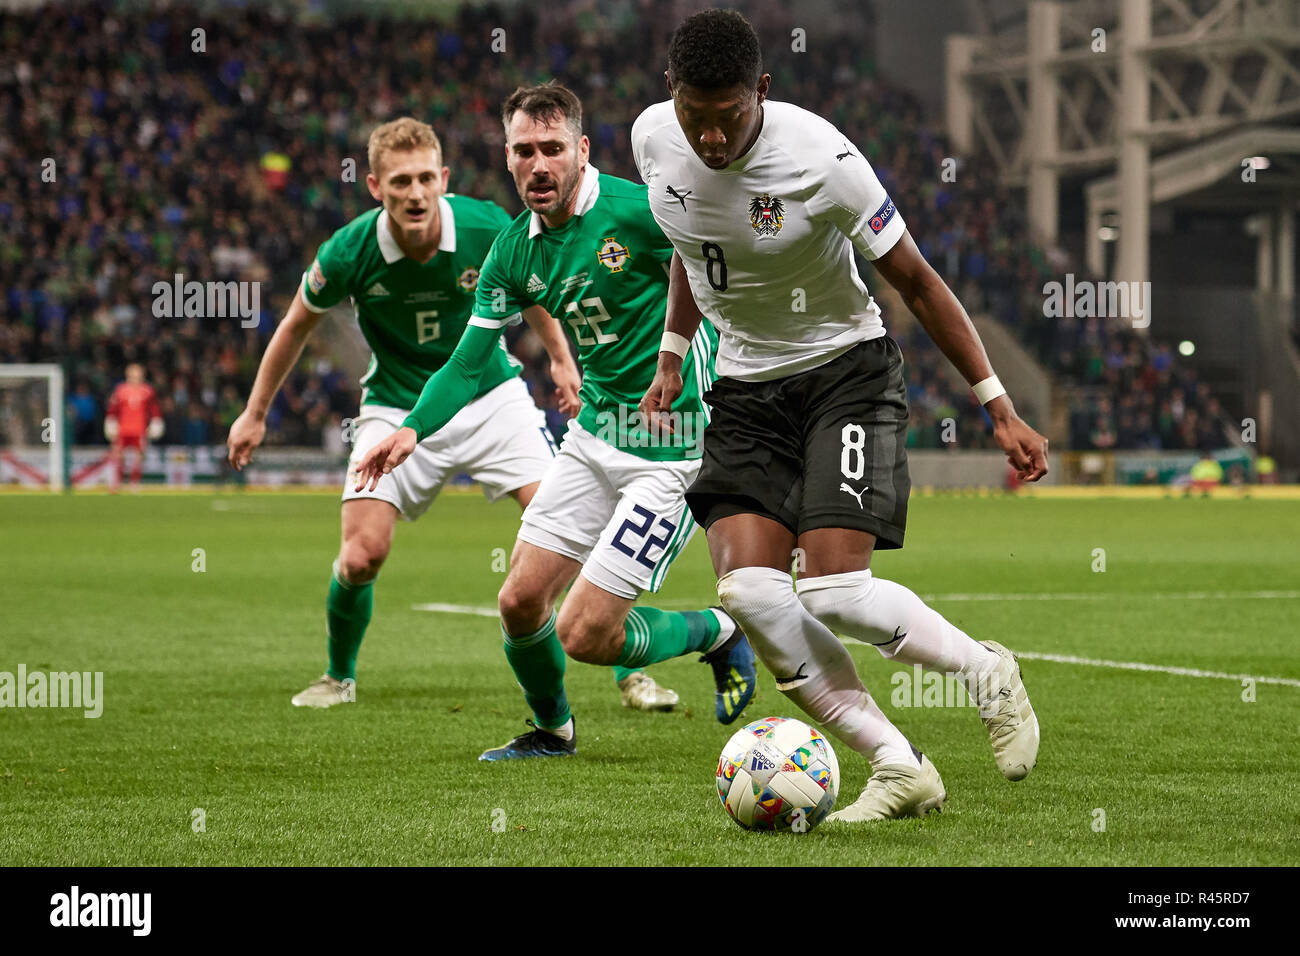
[133,417]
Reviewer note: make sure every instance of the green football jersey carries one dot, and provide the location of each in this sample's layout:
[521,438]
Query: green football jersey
[604,275]
[411,314]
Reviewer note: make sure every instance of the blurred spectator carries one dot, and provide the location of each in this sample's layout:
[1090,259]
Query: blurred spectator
[197,430]
[83,412]
[1206,473]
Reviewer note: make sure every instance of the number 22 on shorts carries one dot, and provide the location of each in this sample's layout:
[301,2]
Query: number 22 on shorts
[643,531]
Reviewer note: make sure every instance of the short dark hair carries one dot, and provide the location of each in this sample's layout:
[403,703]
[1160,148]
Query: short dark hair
[715,49]
[545,103]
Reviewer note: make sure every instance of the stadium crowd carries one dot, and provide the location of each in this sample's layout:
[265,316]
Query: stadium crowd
[148,149]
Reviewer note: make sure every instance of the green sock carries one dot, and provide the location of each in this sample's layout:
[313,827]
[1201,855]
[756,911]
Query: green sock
[347,615]
[538,662]
[622,673]
[653,635]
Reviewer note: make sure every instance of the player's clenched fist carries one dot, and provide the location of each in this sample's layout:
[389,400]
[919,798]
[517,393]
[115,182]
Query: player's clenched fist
[568,381]
[386,456]
[665,389]
[1026,450]
[246,433]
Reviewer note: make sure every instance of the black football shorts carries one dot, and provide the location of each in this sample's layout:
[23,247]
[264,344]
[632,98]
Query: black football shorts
[825,448]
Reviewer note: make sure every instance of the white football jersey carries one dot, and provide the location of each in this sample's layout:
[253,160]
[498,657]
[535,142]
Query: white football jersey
[768,241]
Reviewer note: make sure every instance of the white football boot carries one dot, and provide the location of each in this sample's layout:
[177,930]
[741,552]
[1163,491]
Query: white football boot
[896,791]
[325,691]
[640,692]
[1009,717]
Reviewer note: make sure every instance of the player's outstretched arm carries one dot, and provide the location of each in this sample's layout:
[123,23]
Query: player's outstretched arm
[282,353]
[446,392]
[454,386]
[157,428]
[947,323]
[681,323]
[564,370]
[110,416]
[387,455]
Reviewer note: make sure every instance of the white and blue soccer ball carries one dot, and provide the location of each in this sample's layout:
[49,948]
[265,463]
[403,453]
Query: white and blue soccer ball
[778,773]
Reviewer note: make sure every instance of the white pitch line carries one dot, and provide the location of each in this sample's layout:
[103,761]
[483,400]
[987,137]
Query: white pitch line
[1120,595]
[1138,666]
[246,507]
[458,609]
[480,611]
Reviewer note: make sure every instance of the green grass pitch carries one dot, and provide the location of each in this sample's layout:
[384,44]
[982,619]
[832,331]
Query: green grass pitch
[199,667]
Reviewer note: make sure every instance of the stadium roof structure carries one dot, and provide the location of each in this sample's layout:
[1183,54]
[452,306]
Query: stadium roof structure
[1198,177]
[1073,88]
[1192,171]
[1189,103]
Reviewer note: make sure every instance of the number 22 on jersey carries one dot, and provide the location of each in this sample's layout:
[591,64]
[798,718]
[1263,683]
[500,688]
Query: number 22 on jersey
[586,318]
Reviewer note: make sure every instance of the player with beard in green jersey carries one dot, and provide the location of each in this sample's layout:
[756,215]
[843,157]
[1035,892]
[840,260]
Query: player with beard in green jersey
[610,516]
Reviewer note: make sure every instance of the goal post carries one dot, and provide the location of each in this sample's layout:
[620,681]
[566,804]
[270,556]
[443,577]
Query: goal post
[34,447]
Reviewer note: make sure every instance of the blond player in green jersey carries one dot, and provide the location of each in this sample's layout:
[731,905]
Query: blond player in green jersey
[411,267]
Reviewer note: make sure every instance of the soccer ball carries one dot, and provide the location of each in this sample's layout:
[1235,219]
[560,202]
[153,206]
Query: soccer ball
[778,774]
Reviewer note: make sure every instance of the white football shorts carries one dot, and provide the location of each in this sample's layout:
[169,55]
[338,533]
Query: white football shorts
[500,440]
[624,517]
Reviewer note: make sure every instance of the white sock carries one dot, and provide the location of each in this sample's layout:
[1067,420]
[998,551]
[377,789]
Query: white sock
[898,623]
[811,666]
[564,732]
[726,627]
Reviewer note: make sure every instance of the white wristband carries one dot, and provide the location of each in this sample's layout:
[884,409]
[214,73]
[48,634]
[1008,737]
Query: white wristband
[679,345]
[988,389]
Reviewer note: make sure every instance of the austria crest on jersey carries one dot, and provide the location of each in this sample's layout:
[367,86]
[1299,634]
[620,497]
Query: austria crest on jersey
[766,214]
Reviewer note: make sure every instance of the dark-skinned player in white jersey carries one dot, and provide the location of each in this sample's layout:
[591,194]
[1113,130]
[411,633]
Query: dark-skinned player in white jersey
[806,446]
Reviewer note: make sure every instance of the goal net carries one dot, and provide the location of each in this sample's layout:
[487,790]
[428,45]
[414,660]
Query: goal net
[33,446]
